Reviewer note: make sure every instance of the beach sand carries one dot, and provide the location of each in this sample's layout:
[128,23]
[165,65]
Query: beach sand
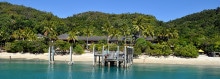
[83,57]
[201,60]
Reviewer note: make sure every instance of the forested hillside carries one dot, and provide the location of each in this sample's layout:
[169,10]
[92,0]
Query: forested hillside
[18,17]
[15,17]
[19,26]
[201,29]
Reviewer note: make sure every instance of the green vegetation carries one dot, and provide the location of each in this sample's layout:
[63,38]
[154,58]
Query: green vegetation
[26,46]
[78,49]
[62,45]
[141,45]
[182,37]
[200,29]
[186,51]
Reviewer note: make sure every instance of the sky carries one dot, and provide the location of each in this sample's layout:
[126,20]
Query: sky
[163,10]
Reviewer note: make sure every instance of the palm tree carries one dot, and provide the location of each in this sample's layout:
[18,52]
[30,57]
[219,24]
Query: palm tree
[126,31]
[72,35]
[29,34]
[164,34]
[138,25]
[173,33]
[87,31]
[148,31]
[49,30]
[116,33]
[107,28]
[18,34]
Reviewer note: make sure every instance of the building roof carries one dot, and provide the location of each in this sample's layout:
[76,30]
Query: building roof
[96,38]
[91,38]
[63,36]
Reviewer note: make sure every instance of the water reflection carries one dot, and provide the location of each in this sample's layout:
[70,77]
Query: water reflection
[93,73]
[50,71]
[111,72]
[102,73]
[80,72]
[117,73]
[43,70]
[125,74]
[70,72]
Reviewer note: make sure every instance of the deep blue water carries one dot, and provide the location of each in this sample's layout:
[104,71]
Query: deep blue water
[32,69]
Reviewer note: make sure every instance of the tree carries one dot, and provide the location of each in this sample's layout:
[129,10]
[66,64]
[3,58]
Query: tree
[78,49]
[18,34]
[142,46]
[138,25]
[72,35]
[49,30]
[62,45]
[88,31]
[24,34]
[148,31]
[107,28]
[4,34]
[164,34]
[29,34]
[125,30]
[186,51]
[116,33]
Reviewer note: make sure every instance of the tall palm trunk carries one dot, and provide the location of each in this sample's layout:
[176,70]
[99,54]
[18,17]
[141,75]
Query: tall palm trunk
[125,41]
[87,42]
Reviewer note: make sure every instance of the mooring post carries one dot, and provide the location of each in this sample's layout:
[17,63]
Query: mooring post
[132,55]
[70,53]
[53,51]
[129,57]
[49,54]
[99,60]
[70,62]
[94,58]
[53,54]
[125,56]
[117,56]
[103,61]
[9,57]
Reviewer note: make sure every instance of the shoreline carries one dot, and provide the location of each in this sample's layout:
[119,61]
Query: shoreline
[201,60]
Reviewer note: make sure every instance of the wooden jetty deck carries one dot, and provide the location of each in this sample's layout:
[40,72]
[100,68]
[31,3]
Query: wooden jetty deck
[114,58]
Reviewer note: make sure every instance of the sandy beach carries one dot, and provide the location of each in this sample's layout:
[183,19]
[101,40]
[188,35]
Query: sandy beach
[201,60]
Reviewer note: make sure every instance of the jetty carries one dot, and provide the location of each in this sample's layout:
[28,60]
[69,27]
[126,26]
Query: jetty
[105,57]
[113,58]
[51,53]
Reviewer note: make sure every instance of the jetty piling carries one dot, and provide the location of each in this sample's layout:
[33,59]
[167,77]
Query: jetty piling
[117,56]
[94,57]
[71,60]
[103,49]
[53,51]
[49,54]
[114,58]
[125,57]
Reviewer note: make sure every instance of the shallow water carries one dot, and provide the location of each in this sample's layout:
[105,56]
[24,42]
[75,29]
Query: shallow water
[39,69]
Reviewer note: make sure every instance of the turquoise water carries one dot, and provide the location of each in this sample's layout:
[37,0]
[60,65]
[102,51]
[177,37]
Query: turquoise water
[32,69]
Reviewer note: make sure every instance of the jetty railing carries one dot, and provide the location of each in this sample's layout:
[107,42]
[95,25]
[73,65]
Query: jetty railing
[114,58]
